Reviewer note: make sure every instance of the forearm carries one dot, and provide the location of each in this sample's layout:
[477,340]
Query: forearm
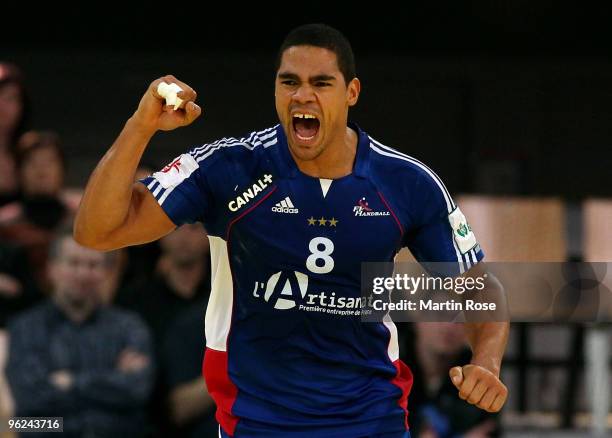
[34,395]
[488,342]
[189,400]
[115,388]
[108,194]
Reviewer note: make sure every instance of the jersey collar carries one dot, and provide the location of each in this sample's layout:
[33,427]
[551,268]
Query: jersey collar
[360,169]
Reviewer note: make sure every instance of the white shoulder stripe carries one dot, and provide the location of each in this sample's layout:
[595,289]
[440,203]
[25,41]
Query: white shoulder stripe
[157,190]
[449,202]
[450,205]
[420,164]
[251,142]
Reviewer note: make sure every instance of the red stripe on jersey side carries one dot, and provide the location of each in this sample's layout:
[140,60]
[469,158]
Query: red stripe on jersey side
[399,224]
[403,380]
[220,387]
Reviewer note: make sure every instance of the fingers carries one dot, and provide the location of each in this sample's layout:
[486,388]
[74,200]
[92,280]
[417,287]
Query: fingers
[187,94]
[487,400]
[477,393]
[456,375]
[132,361]
[192,112]
[470,379]
[499,402]
[480,387]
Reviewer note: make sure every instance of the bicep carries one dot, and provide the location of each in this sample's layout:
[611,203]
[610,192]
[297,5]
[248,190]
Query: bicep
[146,221]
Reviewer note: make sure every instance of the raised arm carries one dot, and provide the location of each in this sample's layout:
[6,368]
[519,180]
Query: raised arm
[115,211]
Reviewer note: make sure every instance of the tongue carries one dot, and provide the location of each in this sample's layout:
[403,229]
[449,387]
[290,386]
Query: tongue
[306,127]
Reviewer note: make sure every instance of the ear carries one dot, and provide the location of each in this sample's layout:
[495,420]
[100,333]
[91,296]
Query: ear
[352,91]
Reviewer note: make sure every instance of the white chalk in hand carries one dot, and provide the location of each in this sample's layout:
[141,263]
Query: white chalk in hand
[168,92]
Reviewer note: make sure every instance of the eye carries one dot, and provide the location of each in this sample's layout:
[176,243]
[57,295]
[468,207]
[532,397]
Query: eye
[322,84]
[289,82]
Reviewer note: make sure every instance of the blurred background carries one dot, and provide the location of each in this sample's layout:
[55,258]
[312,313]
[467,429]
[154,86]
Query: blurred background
[508,101]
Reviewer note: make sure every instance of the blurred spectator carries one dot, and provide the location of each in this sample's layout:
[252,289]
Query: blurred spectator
[182,279]
[31,221]
[436,411]
[191,408]
[182,282]
[17,288]
[14,112]
[74,358]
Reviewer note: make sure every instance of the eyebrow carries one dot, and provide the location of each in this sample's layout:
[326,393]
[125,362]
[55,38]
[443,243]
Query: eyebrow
[317,78]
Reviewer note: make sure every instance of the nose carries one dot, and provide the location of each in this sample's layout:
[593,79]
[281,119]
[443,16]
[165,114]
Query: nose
[303,94]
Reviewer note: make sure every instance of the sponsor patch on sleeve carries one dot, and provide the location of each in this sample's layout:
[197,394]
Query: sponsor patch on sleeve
[462,233]
[176,171]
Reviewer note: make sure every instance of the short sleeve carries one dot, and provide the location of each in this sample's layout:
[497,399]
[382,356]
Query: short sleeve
[180,190]
[442,233]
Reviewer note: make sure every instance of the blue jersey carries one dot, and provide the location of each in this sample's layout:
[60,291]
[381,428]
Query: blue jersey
[287,353]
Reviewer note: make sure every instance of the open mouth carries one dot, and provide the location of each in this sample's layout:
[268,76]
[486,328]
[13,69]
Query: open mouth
[305,126]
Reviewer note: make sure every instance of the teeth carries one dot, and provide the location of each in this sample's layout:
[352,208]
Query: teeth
[305,138]
[304,116]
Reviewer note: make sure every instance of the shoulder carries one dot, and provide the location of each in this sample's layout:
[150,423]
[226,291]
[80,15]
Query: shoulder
[411,175]
[385,158]
[215,160]
[31,317]
[235,149]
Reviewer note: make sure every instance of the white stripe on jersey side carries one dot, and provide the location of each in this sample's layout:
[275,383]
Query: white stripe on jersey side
[151,184]
[449,202]
[219,310]
[393,347]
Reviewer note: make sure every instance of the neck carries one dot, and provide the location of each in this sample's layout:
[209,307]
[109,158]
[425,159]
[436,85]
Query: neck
[184,279]
[335,161]
[74,313]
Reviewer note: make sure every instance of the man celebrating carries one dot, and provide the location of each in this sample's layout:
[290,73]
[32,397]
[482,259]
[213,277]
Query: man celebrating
[291,212]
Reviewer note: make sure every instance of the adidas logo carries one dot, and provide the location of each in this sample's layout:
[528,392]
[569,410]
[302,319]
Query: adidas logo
[285,206]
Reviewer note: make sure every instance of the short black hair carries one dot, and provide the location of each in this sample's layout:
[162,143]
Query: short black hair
[326,37]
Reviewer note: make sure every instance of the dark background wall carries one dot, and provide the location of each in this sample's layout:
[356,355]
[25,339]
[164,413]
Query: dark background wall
[497,97]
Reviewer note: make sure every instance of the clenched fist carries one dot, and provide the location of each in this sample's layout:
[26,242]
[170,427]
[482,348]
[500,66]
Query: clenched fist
[153,115]
[480,387]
